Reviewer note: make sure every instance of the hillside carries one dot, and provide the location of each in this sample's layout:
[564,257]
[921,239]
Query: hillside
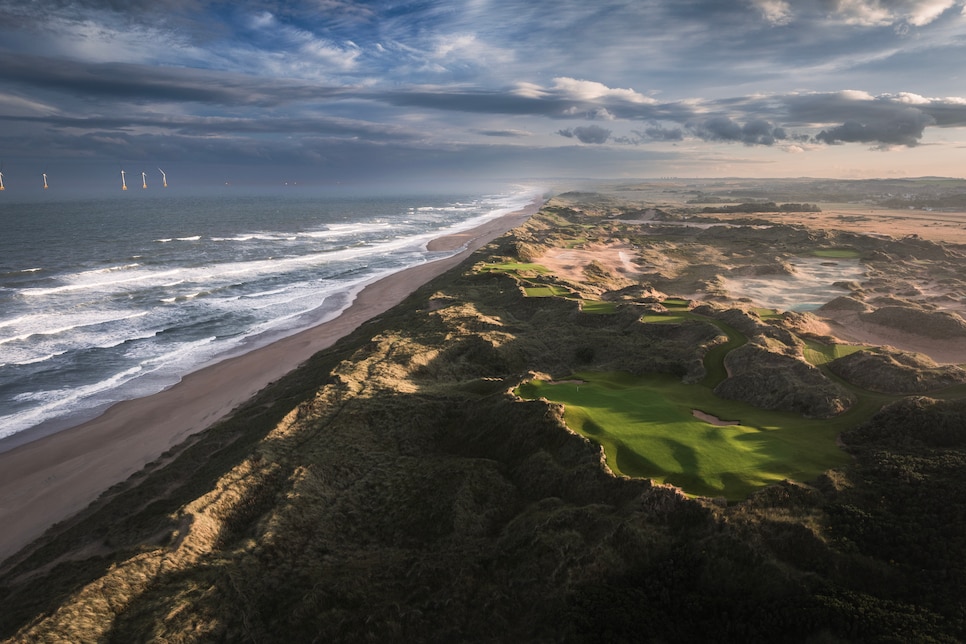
[394,488]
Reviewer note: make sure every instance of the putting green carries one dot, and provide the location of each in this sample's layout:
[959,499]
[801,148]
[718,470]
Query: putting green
[548,290]
[647,428]
[837,253]
[598,307]
[515,267]
[819,353]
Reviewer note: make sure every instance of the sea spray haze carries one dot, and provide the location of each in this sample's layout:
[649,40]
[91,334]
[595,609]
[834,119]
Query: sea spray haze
[104,300]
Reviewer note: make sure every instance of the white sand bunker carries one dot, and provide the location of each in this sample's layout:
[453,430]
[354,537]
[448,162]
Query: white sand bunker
[811,285]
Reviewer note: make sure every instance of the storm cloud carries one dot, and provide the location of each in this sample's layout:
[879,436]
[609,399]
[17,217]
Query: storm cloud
[587,134]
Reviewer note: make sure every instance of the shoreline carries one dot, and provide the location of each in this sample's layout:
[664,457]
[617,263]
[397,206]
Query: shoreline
[53,477]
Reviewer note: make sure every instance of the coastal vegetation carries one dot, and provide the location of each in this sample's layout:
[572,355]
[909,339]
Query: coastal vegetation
[397,487]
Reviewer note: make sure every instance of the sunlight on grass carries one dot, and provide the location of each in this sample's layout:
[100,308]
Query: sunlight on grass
[597,307]
[511,267]
[647,429]
[819,353]
[549,290]
[837,253]
[768,314]
[676,303]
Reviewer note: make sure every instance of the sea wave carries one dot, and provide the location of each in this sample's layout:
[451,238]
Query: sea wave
[164,308]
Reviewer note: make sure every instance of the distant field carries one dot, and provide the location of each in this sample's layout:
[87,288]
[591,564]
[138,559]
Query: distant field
[837,253]
[647,429]
[511,267]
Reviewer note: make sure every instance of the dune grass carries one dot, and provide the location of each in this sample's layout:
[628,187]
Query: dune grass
[714,358]
[647,428]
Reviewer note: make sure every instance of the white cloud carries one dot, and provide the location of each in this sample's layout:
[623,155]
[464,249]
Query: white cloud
[323,51]
[777,12]
[592,90]
[11,105]
[262,20]
[856,95]
[529,90]
[922,13]
[865,13]
[912,99]
[878,13]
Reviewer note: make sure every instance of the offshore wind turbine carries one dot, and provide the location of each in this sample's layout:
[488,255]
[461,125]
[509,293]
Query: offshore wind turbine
[1,178]
[45,181]
[144,180]
[164,178]
[123,182]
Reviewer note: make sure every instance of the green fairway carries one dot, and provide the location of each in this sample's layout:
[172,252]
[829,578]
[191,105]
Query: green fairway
[837,253]
[647,429]
[549,290]
[515,267]
[595,306]
[676,303]
[768,314]
[714,358]
[819,353]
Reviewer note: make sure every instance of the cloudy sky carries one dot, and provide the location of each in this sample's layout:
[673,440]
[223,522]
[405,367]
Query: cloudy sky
[323,90]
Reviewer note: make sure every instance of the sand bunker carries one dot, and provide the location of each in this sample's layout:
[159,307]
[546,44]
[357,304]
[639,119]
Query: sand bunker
[811,285]
[713,420]
[570,263]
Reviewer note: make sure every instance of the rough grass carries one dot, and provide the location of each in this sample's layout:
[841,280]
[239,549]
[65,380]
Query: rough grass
[714,358]
[647,429]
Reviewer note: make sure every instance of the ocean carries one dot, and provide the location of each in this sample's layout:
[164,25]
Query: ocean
[111,299]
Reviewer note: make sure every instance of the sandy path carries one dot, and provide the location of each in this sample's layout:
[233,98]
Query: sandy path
[50,479]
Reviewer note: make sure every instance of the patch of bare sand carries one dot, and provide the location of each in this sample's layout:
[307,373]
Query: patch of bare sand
[569,263]
[713,420]
[947,227]
[849,327]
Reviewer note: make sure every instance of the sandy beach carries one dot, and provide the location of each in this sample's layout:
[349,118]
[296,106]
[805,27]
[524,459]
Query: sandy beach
[50,479]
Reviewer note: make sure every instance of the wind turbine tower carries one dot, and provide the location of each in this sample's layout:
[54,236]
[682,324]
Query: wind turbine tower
[1,180]
[144,180]
[123,182]
[45,181]
[164,178]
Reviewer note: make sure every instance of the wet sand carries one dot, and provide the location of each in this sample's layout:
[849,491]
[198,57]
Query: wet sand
[52,478]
